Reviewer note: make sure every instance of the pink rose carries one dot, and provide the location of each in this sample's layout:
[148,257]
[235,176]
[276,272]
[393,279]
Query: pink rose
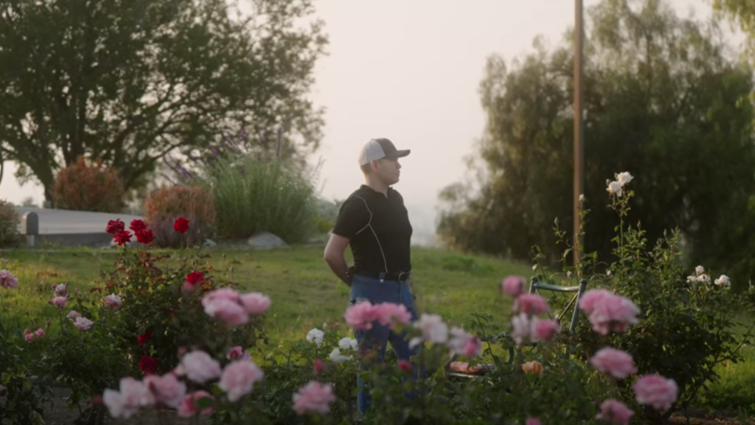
[389,314]
[230,312]
[224,305]
[319,366]
[656,391]
[7,280]
[133,395]
[591,298]
[200,367]
[28,335]
[40,333]
[73,315]
[613,313]
[546,329]
[238,353]
[61,290]
[238,379]
[167,389]
[360,316]
[58,301]
[113,301]
[255,303]
[189,408]
[220,294]
[616,362]
[615,412]
[235,352]
[314,398]
[513,285]
[83,324]
[531,304]
[533,421]
[463,343]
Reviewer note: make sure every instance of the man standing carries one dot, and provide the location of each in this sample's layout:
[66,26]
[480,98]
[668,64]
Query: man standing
[375,223]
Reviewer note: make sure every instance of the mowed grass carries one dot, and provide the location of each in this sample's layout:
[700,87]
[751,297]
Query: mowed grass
[304,292]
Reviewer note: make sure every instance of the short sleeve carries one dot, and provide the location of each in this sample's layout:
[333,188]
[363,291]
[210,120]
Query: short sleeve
[353,217]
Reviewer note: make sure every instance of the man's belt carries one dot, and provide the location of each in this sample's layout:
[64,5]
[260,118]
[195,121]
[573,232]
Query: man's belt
[393,276]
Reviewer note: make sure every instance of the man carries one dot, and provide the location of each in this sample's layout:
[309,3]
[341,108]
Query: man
[375,223]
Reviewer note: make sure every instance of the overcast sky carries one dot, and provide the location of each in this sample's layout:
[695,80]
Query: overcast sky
[409,70]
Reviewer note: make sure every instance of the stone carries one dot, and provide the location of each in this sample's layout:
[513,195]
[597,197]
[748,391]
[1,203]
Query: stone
[266,240]
[209,243]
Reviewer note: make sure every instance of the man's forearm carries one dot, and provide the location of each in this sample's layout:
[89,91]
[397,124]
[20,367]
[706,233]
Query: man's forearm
[339,267]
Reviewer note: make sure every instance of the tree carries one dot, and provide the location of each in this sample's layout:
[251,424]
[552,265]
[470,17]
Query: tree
[128,81]
[741,12]
[662,101]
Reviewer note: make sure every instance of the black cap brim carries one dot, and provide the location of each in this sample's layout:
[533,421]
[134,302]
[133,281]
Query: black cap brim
[399,154]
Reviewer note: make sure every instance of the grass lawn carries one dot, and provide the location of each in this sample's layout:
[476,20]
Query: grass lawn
[306,294]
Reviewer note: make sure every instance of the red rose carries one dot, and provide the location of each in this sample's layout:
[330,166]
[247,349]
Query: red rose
[122,237]
[114,227]
[194,277]
[148,364]
[142,339]
[137,226]
[181,225]
[144,236]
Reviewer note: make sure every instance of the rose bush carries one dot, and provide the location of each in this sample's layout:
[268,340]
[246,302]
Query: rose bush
[21,399]
[163,332]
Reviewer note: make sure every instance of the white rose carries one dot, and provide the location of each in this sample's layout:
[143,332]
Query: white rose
[337,357]
[699,270]
[523,327]
[433,330]
[346,343]
[200,367]
[614,188]
[723,280]
[624,178]
[316,336]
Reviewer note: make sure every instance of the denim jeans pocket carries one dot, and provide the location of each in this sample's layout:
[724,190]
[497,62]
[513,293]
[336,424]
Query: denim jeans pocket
[358,300]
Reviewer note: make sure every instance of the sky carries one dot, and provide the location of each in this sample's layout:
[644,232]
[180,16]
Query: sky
[409,70]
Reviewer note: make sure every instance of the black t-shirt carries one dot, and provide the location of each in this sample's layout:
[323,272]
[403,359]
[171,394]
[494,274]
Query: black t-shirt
[378,229]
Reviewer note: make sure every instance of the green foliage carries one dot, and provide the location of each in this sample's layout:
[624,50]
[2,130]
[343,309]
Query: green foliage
[168,317]
[109,82]
[21,399]
[742,12]
[9,220]
[164,205]
[88,187]
[733,391]
[253,195]
[687,325]
[661,99]
[85,362]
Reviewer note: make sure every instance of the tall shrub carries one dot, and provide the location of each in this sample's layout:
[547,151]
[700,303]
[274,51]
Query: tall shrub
[88,187]
[163,206]
[254,195]
[9,219]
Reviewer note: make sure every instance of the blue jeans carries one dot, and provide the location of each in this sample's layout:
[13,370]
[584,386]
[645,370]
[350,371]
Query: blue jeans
[373,290]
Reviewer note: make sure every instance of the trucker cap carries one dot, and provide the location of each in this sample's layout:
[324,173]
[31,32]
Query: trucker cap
[377,149]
